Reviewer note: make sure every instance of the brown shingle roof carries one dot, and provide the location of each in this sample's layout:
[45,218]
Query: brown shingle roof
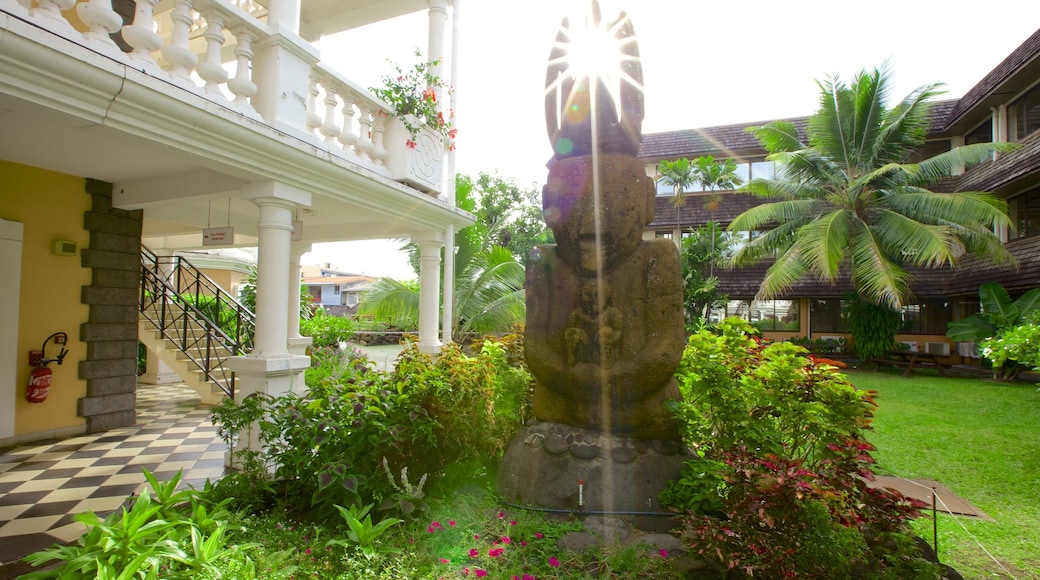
[995,82]
[729,141]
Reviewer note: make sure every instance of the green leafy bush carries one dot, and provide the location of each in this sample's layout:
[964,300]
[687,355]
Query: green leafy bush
[164,531]
[873,328]
[326,330]
[780,488]
[327,447]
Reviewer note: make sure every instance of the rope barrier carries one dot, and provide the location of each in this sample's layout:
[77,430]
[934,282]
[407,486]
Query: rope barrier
[947,510]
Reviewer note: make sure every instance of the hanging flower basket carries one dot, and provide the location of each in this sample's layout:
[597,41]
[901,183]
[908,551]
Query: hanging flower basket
[416,159]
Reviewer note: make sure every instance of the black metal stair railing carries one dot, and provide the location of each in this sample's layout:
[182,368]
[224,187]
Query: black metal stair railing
[192,311]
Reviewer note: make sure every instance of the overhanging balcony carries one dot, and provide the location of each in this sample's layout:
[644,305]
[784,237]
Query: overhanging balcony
[181,103]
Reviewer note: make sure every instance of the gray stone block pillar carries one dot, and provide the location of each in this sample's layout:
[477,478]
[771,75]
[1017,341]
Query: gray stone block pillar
[114,257]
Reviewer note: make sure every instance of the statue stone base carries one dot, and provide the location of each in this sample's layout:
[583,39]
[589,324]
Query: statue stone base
[545,461]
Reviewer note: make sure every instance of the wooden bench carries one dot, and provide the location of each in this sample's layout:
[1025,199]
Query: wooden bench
[909,359]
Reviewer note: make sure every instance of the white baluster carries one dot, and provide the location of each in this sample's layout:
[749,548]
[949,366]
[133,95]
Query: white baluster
[379,152]
[140,34]
[210,69]
[48,14]
[242,85]
[102,20]
[364,144]
[15,8]
[178,57]
[329,128]
[348,137]
[313,118]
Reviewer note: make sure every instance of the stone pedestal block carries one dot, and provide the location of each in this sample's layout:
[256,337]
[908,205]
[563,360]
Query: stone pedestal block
[545,461]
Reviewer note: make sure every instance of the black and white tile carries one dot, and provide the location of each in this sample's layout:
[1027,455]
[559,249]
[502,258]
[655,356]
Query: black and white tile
[44,484]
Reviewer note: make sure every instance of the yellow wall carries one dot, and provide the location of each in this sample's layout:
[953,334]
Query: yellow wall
[51,207]
[229,280]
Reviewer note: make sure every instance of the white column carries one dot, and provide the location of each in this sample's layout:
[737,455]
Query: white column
[297,344]
[438,24]
[448,316]
[430,244]
[284,13]
[178,54]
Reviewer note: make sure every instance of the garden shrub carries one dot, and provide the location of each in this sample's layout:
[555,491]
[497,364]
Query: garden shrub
[873,328]
[327,447]
[326,330]
[780,485]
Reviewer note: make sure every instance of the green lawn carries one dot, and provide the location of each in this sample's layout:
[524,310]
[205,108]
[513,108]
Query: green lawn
[982,440]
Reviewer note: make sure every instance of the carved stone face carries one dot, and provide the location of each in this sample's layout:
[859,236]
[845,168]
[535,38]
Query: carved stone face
[570,207]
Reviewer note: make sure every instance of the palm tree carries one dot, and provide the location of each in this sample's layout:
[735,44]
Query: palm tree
[680,174]
[850,200]
[489,289]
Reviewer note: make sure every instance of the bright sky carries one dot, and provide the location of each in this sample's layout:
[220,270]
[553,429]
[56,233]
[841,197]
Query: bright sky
[703,65]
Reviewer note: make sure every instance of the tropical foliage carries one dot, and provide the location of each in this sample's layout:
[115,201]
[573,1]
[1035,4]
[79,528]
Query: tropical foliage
[779,487]
[1004,329]
[700,251]
[712,175]
[489,277]
[851,200]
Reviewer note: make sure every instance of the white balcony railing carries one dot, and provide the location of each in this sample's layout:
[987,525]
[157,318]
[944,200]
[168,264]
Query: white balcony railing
[207,47]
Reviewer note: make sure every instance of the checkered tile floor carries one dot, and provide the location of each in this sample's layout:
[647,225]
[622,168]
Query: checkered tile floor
[43,484]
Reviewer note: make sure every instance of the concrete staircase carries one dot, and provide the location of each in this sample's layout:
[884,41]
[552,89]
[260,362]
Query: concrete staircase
[192,324]
[183,362]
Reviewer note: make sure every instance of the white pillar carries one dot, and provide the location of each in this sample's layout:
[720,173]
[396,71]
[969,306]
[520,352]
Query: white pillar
[430,244]
[449,285]
[297,344]
[285,13]
[438,24]
[271,368]
[272,278]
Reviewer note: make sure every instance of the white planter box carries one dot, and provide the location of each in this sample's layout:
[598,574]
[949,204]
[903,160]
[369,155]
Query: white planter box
[422,166]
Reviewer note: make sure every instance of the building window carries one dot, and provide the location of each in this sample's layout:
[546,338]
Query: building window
[336,290]
[931,316]
[981,134]
[1024,115]
[1025,213]
[663,234]
[350,299]
[825,315]
[766,314]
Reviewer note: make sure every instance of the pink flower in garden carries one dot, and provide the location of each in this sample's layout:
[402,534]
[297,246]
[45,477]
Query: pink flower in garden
[476,536]
[663,553]
[523,543]
[506,540]
[481,573]
[445,561]
[465,571]
[501,515]
[307,551]
[430,530]
[539,535]
[495,552]
[554,562]
[451,523]
[512,523]
[474,553]
[436,525]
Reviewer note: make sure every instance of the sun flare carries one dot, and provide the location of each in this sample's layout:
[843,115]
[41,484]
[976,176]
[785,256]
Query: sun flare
[594,85]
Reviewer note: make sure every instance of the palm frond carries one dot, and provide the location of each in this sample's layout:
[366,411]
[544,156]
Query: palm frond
[822,243]
[875,277]
[788,269]
[778,136]
[935,168]
[389,299]
[778,212]
[919,244]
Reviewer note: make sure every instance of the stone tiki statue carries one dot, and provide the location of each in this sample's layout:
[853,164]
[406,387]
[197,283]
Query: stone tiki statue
[604,330]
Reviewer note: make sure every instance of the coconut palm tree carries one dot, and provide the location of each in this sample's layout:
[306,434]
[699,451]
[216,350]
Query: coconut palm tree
[849,199]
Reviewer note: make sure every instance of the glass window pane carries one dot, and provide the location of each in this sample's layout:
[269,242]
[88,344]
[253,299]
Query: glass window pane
[825,315]
[742,172]
[762,170]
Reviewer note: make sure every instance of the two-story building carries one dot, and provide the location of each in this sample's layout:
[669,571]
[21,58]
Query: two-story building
[188,124]
[1003,106]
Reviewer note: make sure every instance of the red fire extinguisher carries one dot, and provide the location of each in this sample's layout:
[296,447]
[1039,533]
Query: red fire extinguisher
[39,384]
[40,378]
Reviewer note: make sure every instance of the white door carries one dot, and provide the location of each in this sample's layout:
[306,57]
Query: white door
[11,266]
